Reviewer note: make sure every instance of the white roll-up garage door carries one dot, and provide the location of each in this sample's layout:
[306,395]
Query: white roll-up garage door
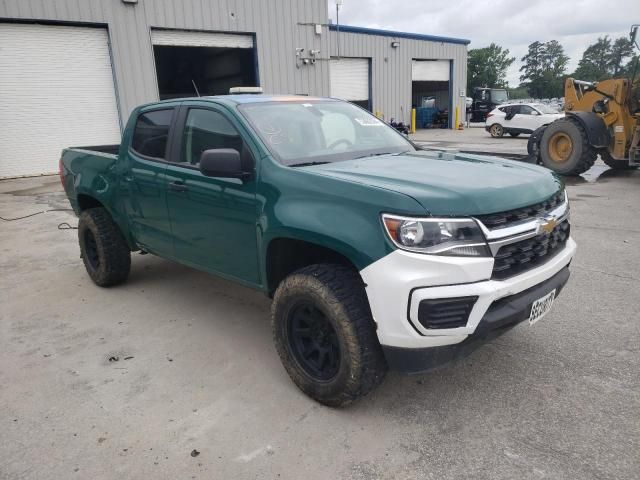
[184,38]
[349,78]
[56,90]
[430,70]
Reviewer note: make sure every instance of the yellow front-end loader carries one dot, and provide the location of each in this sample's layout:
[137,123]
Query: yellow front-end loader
[602,118]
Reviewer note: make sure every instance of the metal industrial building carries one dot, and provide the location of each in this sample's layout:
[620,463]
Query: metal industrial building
[71,71]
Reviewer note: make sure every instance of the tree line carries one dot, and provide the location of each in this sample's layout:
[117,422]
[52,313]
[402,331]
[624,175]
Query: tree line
[544,67]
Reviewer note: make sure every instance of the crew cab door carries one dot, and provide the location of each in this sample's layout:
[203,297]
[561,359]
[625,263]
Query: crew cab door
[142,178]
[213,220]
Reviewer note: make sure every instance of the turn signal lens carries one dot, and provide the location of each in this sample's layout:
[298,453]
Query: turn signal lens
[392,225]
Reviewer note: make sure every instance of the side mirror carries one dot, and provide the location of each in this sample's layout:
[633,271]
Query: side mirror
[534,112]
[223,163]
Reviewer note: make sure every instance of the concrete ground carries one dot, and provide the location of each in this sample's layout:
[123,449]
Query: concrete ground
[196,371]
[473,139]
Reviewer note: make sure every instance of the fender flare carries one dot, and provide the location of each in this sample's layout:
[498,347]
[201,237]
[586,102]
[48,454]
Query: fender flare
[595,128]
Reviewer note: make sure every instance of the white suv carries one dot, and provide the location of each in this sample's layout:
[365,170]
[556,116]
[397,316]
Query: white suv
[517,118]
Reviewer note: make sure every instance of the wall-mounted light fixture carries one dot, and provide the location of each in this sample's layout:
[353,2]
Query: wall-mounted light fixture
[129,1]
[395,44]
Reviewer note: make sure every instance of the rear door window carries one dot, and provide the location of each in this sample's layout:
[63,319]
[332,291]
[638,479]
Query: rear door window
[151,133]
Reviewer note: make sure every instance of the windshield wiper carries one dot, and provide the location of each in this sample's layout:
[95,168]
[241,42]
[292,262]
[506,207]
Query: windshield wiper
[307,164]
[373,155]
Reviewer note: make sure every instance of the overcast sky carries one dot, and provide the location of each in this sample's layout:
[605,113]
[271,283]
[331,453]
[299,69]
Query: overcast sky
[513,24]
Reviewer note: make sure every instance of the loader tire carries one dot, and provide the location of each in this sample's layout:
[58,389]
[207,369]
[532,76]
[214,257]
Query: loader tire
[615,164]
[565,148]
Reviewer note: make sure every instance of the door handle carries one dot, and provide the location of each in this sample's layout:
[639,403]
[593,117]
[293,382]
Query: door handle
[178,186]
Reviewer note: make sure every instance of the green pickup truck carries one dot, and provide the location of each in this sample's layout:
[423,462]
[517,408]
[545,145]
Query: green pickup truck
[377,254]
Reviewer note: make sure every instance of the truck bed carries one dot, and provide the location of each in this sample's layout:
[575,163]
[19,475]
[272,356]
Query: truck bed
[110,149]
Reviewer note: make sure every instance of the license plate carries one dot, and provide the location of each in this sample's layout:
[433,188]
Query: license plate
[541,307]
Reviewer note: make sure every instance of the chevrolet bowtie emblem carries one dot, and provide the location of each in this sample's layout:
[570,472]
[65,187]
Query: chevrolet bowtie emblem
[547,224]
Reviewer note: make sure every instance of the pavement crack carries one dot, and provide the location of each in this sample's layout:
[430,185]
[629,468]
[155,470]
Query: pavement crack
[593,270]
[611,228]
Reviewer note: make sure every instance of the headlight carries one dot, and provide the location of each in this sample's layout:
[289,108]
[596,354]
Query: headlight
[437,236]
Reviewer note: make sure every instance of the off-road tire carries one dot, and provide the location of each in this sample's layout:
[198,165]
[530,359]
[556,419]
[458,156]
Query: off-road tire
[514,134]
[103,249]
[338,292]
[582,156]
[496,130]
[615,164]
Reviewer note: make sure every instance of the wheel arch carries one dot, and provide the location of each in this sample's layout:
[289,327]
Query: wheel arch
[286,254]
[85,201]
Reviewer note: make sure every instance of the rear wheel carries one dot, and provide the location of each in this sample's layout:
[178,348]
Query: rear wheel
[565,148]
[103,249]
[325,335]
[615,164]
[496,130]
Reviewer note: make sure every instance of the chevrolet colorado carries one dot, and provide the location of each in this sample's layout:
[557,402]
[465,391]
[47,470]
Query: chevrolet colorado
[377,254]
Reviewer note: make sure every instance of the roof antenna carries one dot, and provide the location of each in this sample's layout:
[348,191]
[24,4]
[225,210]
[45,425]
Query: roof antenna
[195,87]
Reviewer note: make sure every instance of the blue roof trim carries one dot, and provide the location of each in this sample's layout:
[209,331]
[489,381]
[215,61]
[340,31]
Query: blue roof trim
[390,33]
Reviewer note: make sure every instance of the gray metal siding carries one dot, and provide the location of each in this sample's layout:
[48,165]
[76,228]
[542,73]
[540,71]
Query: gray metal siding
[275,23]
[279,27]
[391,68]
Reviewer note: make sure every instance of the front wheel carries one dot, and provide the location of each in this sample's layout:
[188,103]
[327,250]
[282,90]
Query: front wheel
[496,130]
[325,335]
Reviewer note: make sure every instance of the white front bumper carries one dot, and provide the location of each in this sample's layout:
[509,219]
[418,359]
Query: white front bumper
[398,282]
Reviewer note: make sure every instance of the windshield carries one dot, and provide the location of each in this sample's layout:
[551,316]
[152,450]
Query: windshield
[499,96]
[308,132]
[546,108]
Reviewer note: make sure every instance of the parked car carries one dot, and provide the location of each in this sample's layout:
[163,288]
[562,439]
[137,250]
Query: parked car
[517,118]
[376,254]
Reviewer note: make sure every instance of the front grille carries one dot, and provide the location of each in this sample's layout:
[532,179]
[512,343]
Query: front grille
[503,219]
[445,312]
[520,256]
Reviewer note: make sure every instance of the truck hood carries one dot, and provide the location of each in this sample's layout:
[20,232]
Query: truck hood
[451,183]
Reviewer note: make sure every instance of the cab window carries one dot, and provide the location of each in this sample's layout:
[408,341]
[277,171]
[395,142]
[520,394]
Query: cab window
[151,133]
[206,130]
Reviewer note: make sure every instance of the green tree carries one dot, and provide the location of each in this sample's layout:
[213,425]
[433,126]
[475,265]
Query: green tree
[555,67]
[621,49]
[595,61]
[487,67]
[532,64]
[632,67]
[544,68]
[606,59]
[518,93]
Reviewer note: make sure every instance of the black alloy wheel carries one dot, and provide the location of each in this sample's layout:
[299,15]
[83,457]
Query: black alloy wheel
[91,250]
[314,342]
